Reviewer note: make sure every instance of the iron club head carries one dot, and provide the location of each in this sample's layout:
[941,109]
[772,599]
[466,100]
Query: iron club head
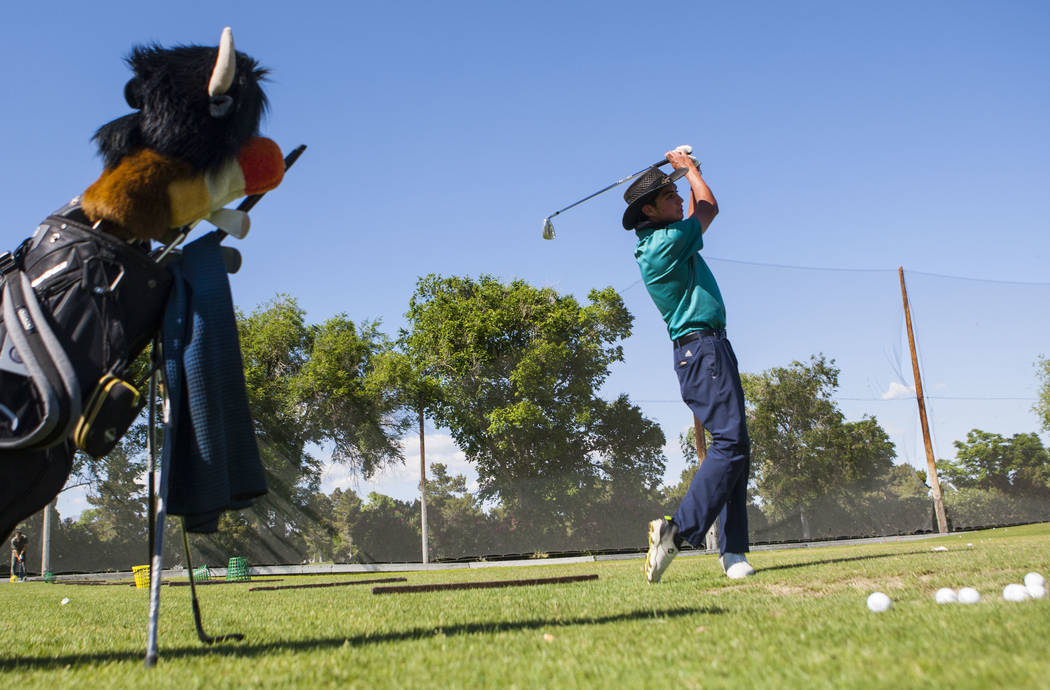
[548,229]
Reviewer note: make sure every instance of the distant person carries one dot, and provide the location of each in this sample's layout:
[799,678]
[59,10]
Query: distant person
[685,292]
[18,551]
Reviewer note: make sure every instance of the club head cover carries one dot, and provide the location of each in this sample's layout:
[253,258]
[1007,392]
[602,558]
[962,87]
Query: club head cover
[232,258]
[231,221]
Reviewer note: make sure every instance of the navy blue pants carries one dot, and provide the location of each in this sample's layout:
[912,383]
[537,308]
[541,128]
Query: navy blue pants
[710,382]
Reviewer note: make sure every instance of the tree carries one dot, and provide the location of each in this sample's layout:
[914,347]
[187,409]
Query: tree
[458,526]
[112,533]
[518,368]
[345,512]
[387,530]
[1042,406]
[904,481]
[628,447]
[321,385]
[118,499]
[802,449]
[1018,465]
[674,494]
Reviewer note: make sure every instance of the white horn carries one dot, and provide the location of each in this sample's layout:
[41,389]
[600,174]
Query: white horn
[225,65]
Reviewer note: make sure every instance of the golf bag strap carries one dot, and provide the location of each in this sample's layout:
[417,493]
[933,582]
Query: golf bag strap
[45,360]
[8,264]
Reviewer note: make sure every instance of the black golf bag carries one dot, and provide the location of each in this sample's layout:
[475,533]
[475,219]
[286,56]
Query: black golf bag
[78,306]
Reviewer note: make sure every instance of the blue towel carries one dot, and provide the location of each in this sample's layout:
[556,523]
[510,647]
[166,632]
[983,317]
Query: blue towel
[209,440]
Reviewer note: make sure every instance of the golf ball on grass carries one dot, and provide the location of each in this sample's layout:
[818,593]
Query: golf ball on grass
[946,595]
[1033,580]
[878,602]
[1015,592]
[969,595]
[1036,591]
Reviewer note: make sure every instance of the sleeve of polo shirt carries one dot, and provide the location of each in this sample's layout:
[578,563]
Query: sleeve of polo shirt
[692,235]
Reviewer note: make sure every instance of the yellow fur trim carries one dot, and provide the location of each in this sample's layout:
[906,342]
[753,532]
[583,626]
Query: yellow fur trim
[189,200]
[225,184]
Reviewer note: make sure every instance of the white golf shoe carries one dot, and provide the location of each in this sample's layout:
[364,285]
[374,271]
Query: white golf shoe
[735,565]
[662,548]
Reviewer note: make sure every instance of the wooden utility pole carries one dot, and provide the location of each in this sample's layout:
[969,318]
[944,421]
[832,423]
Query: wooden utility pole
[423,483]
[711,538]
[935,484]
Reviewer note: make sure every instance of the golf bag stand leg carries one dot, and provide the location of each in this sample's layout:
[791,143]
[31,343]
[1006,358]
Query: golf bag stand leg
[156,568]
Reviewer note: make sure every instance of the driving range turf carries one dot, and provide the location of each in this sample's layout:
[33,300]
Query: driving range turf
[801,621]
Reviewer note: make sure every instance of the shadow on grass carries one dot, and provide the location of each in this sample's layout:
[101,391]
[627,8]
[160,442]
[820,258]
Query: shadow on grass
[12,663]
[830,561]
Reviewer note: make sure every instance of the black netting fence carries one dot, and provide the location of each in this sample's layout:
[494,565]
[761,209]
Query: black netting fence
[847,461]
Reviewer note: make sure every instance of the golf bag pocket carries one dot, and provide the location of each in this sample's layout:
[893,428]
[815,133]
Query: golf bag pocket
[40,393]
[107,415]
[77,305]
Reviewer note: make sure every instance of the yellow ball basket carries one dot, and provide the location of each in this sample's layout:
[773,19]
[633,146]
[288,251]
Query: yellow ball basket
[141,573]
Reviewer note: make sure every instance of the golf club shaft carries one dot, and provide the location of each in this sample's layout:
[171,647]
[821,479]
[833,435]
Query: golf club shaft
[249,202]
[605,189]
[201,635]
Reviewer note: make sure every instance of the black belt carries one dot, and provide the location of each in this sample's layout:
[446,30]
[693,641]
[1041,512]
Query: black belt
[695,335]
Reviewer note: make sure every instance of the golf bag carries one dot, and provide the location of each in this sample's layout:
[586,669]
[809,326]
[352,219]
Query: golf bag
[78,306]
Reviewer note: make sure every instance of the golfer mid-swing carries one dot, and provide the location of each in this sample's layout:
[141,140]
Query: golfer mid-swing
[687,296]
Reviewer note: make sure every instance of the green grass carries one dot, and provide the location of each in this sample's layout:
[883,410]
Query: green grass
[800,622]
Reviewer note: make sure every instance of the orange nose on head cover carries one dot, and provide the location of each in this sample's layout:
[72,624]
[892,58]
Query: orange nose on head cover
[262,163]
[258,168]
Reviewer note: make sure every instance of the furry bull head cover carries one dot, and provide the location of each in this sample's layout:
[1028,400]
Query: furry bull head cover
[190,147]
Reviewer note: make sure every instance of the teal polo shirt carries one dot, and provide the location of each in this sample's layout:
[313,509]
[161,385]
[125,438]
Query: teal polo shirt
[678,279]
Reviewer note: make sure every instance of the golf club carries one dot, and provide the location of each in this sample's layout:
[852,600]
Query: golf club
[201,635]
[548,227]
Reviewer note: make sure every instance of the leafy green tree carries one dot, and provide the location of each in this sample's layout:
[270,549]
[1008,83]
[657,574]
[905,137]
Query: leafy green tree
[346,507]
[803,451]
[628,447]
[118,499]
[1018,465]
[674,494]
[113,531]
[318,533]
[456,523]
[1042,406]
[387,530]
[313,385]
[518,368]
[320,384]
[904,481]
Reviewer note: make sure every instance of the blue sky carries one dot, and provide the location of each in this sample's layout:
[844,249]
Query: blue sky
[835,135]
